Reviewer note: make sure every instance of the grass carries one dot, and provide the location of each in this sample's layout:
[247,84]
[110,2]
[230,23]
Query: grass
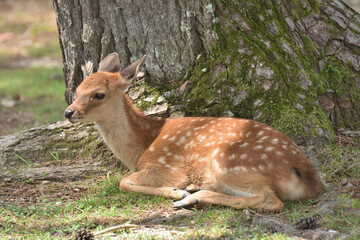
[104,205]
[51,50]
[40,94]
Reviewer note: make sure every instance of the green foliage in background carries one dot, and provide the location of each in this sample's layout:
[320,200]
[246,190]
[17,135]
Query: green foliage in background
[41,91]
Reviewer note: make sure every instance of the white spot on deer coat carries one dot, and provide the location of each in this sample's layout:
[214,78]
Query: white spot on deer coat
[274,141]
[268,149]
[258,147]
[202,159]
[234,169]
[178,157]
[232,156]
[216,166]
[181,141]
[151,149]
[165,149]
[262,139]
[243,156]
[261,167]
[260,133]
[279,153]
[248,134]
[162,160]
[201,138]
[165,136]
[244,144]
[215,152]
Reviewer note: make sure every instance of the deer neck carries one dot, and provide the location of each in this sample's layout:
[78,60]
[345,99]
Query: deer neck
[129,132]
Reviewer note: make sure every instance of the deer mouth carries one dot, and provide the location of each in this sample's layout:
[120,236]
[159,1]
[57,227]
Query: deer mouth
[75,119]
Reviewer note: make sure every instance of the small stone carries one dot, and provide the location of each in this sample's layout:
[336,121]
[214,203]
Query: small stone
[149,99]
[135,93]
[257,114]
[7,179]
[160,99]
[258,103]
[157,109]
[267,85]
[299,107]
[167,94]
[228,113]
[76,189]
[45,182]
[58,203]
[345,183]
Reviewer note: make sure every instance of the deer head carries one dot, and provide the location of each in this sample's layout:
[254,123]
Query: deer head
[98,96]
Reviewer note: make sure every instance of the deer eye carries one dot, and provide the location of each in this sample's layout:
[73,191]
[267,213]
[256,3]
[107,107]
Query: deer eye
[100,96]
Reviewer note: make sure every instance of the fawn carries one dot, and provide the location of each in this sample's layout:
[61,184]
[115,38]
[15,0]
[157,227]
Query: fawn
[234,162]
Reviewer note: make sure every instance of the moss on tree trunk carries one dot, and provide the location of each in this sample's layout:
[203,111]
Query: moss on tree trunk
[281,63]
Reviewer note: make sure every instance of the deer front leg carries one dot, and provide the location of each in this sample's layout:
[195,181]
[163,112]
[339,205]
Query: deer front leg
[263,200]
[151,184]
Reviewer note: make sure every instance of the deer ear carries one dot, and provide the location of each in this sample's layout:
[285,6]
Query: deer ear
[110,64]
[131,71]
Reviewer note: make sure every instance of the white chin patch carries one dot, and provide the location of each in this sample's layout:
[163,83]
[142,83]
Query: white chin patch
[75,120]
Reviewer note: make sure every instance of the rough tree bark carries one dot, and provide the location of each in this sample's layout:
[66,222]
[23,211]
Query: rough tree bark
[292,64]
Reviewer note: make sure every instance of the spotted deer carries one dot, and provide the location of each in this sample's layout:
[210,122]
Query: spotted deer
[234,162]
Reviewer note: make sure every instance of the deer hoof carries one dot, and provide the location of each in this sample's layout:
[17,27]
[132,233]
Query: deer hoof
[192,189]
[185,203]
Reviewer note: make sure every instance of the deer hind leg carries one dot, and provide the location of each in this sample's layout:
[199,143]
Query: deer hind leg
[151,182]
[264,200]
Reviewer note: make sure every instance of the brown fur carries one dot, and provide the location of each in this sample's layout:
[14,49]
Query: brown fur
[236,162]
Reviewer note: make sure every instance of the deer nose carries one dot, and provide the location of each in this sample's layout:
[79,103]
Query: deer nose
[68,113]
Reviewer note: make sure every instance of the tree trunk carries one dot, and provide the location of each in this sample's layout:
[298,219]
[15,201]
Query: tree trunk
[57,151]
[170,33]
[292,64]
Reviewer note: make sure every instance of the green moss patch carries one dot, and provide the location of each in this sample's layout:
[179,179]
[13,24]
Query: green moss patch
[251,72]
